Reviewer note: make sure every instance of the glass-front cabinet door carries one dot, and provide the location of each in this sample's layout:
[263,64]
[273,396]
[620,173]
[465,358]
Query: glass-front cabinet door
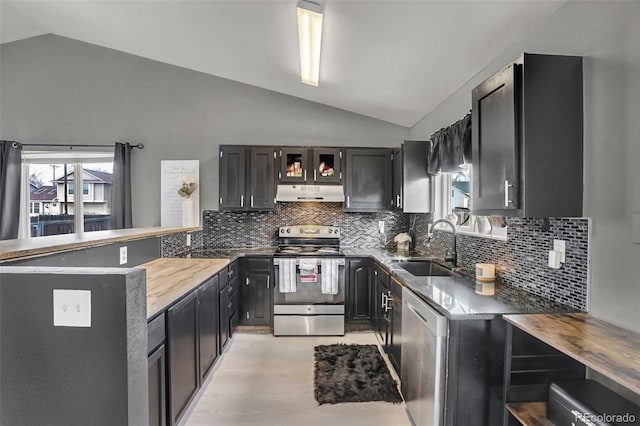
[327,165]
[293,165]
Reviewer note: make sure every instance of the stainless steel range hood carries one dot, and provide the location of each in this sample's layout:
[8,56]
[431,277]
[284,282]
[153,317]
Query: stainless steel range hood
[318,193]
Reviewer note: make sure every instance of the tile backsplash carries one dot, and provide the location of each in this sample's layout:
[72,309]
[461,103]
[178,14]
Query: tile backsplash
[175,244]
[521,261]
[223,229]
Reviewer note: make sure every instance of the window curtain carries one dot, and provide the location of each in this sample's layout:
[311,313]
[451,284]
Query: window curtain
[121,216]
[10,182]
[450,147]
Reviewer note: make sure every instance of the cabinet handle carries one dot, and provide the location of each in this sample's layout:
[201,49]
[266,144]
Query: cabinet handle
[384,301]
[220,200]
[279,175]
[398,200]
[387,307]
[246,281]
[305,174]
[252,201]
[230,305]
[314,175]
[348,201]
[506,193]
[230,273]
[242,201]
[268,279]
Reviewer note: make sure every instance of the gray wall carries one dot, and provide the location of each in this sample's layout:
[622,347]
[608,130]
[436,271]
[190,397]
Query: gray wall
[59,90]
[607,35]
[68,375]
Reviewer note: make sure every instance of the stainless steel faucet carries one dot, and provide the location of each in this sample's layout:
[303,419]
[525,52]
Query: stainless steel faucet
[452,254]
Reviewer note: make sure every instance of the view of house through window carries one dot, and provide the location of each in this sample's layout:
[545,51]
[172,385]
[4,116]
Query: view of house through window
[53,199]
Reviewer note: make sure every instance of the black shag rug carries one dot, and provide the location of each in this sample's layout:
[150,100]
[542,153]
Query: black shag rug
[352,373]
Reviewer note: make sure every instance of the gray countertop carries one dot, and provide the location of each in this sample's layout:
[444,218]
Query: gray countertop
[454,297]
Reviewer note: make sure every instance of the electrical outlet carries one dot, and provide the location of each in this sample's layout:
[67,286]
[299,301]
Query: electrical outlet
[381,226]
[123,255]
[72,308]
[561,247]
[188,240]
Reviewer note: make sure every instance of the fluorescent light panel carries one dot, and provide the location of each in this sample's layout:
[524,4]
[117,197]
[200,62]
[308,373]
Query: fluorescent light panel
[310,37]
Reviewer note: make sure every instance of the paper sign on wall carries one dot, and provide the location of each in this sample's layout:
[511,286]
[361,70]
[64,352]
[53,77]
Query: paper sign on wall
[173,173]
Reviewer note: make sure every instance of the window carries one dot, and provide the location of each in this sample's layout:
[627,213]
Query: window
[453,201]
[49,182]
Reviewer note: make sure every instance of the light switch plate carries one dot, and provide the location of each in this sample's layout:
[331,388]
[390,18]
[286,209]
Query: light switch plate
[123,255]
[188,240]
[72,308]
[381,226]
[561,247]
[636,228]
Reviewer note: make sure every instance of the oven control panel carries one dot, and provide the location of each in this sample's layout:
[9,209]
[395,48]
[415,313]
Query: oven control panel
[311,231]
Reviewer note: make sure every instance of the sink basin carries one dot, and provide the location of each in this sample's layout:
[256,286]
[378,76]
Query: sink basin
[425,268]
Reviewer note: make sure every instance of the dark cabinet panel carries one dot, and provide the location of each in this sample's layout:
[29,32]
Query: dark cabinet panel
[182,336]
[294,165]
[382,322]
[208,324]
[223,319]
[368,180]
[395,335]
[157,388]
[496,142]
[256,293]
[327,165]
[397,180]
[360,291]
[416,184]
[232,177]
[262,190]
[527,139]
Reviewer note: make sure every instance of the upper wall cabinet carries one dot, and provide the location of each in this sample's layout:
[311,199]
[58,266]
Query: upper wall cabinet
[368,180]
[247,177]
[527,139]
[412,185]
[307,166]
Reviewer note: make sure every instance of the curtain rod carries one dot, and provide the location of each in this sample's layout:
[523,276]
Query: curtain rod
[71,146]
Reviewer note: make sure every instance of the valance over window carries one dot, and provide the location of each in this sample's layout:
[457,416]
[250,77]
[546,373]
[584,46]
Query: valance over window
[450,147]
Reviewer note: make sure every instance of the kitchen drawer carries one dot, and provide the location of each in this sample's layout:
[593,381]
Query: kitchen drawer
[224,278]
[155,333]
[259,264]
[234,285]
[234,270]
[234,302]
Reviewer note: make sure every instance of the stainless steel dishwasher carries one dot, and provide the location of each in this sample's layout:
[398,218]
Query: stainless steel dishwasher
[423,366]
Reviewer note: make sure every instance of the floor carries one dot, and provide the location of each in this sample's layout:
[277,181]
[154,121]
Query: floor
[267,380]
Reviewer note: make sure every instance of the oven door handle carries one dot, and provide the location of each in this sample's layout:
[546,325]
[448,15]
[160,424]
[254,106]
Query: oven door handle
[341,260]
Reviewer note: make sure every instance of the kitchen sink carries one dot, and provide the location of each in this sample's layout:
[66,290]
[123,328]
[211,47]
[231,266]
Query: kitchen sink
[425,268]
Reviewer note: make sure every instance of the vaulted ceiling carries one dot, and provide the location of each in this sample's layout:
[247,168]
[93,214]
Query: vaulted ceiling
[392,60]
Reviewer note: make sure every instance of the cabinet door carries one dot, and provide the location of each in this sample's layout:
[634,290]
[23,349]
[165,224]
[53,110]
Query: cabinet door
[262,189]
[157,390]
[208,324]
[327,164]
[395,335]
[397,180]
[368,183]
[182,336]
[495,135]
[223,320]
[360,303]
[381,320]
[294,164]
[256,299]
[232,177]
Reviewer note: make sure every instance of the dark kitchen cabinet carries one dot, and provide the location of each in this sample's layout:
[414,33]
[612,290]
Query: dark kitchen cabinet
[527,139]
[310,166]
[233,289]
[360,292]
[182,337]
[396,191]
[157,388]
[208,324]
[368,180]
[395,327]
[415,186]
[232,177]
[247,178]
[382,321]
[257,292]
[223,311]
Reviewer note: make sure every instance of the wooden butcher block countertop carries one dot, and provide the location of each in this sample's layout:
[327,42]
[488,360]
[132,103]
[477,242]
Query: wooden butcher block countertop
[606,348]
[168,279]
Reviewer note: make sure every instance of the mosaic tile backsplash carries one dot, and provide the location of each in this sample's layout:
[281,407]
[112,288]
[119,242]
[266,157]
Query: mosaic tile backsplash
[223,229]
[175,244]
[521,261]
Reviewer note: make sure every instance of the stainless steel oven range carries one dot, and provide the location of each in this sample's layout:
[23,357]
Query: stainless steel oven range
[310,282]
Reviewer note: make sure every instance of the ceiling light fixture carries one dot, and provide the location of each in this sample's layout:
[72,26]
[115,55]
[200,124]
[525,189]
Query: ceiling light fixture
[310,37]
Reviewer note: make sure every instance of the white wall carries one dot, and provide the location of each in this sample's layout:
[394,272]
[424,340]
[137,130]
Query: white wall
[59,90]
[607,34]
